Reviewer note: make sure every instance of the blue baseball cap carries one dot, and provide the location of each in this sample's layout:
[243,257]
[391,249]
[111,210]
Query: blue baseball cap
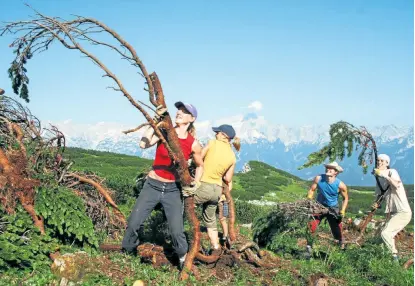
[189,107]
[227,129]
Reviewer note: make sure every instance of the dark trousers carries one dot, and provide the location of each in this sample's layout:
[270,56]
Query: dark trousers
[154,192]
[334,222]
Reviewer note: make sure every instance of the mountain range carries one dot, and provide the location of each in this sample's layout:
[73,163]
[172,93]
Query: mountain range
[281,146]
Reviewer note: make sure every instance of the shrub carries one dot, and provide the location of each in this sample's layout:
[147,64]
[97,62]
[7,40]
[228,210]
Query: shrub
[247,212]
[21,244]
[65,216]
[279,232]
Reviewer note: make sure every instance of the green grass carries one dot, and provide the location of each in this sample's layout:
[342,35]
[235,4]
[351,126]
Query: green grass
[107,164]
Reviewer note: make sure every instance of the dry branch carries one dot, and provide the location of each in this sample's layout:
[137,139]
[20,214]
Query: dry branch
[103,192]
[136,129]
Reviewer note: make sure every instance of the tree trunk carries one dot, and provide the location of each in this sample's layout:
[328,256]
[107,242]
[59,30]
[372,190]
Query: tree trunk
[185,178]
[232,233]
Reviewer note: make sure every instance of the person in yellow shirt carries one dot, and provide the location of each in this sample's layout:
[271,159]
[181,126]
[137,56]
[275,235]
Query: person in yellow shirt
[219,165]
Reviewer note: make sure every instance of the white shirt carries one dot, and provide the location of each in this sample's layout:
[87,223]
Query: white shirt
[395,198]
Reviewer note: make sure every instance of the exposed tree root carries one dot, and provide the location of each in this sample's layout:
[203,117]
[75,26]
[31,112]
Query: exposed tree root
[30,209]
[231,225]
[243,254]
[207,258]
[408,263]
[104,193]
[189,207]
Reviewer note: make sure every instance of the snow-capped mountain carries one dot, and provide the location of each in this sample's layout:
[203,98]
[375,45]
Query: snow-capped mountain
[281,146]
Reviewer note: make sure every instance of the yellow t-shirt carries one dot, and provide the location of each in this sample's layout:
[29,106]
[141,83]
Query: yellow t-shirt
[219,158]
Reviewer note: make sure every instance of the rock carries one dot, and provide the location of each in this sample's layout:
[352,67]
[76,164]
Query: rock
[318,279]
[1,91]
[64,282]
[71,266]
[248,225]
[139,283]
[321,282]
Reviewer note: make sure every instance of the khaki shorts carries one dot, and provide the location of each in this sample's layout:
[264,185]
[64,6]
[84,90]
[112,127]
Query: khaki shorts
[208,195]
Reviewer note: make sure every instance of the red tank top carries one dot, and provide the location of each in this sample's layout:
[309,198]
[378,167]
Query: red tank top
[162,164]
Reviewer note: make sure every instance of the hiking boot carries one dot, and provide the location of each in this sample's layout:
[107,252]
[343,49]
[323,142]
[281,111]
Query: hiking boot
[181,262]
[308,253]
[225,242]
[216,252]
[228,243]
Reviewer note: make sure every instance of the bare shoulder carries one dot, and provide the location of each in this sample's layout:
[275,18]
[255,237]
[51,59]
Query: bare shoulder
[196,146]
[317,179]
[342,186]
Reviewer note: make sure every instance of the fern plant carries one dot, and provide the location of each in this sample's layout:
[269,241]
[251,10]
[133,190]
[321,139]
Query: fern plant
[65,215]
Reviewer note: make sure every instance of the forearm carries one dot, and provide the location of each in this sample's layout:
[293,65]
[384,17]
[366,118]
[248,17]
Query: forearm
[198,173]
[344,204]
[147,138]
[310,193]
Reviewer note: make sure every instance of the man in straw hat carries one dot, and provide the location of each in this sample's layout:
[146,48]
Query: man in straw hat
[329,187]
[398,211]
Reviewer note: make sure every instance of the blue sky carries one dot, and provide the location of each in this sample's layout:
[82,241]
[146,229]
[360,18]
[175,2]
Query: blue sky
[306,62]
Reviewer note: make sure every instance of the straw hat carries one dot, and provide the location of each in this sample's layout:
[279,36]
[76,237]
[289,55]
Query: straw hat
[334,165]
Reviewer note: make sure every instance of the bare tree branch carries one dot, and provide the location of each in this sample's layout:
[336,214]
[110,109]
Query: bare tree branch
[136,129]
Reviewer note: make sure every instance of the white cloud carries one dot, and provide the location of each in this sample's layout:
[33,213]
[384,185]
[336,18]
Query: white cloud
[255,105]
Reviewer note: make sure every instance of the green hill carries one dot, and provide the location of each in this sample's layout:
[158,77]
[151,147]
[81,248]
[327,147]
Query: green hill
[106,163]
[263,182]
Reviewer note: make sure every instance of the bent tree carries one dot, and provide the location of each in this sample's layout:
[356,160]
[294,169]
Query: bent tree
[79,34]
[344,139]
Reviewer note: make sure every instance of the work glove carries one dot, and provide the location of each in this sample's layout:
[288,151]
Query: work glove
[188,191]
[160,112]
[309,196]
[342,214]
[379,173]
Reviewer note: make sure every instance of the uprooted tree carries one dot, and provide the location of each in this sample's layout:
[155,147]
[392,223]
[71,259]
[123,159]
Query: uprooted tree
[284,226]
[344,139]
[35,176]
[37,35]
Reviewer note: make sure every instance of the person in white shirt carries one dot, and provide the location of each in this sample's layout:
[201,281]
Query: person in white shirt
[398,211]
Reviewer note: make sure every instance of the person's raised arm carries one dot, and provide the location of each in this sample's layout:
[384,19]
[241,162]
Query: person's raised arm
[149,139]
[313,188]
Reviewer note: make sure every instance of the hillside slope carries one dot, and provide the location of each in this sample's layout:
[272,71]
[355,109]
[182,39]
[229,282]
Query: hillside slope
[262,183]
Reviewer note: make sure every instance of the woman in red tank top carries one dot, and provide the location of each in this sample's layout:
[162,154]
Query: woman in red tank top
[162,184]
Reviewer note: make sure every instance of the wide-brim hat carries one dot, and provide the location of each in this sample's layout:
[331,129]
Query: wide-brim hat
[334,165]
